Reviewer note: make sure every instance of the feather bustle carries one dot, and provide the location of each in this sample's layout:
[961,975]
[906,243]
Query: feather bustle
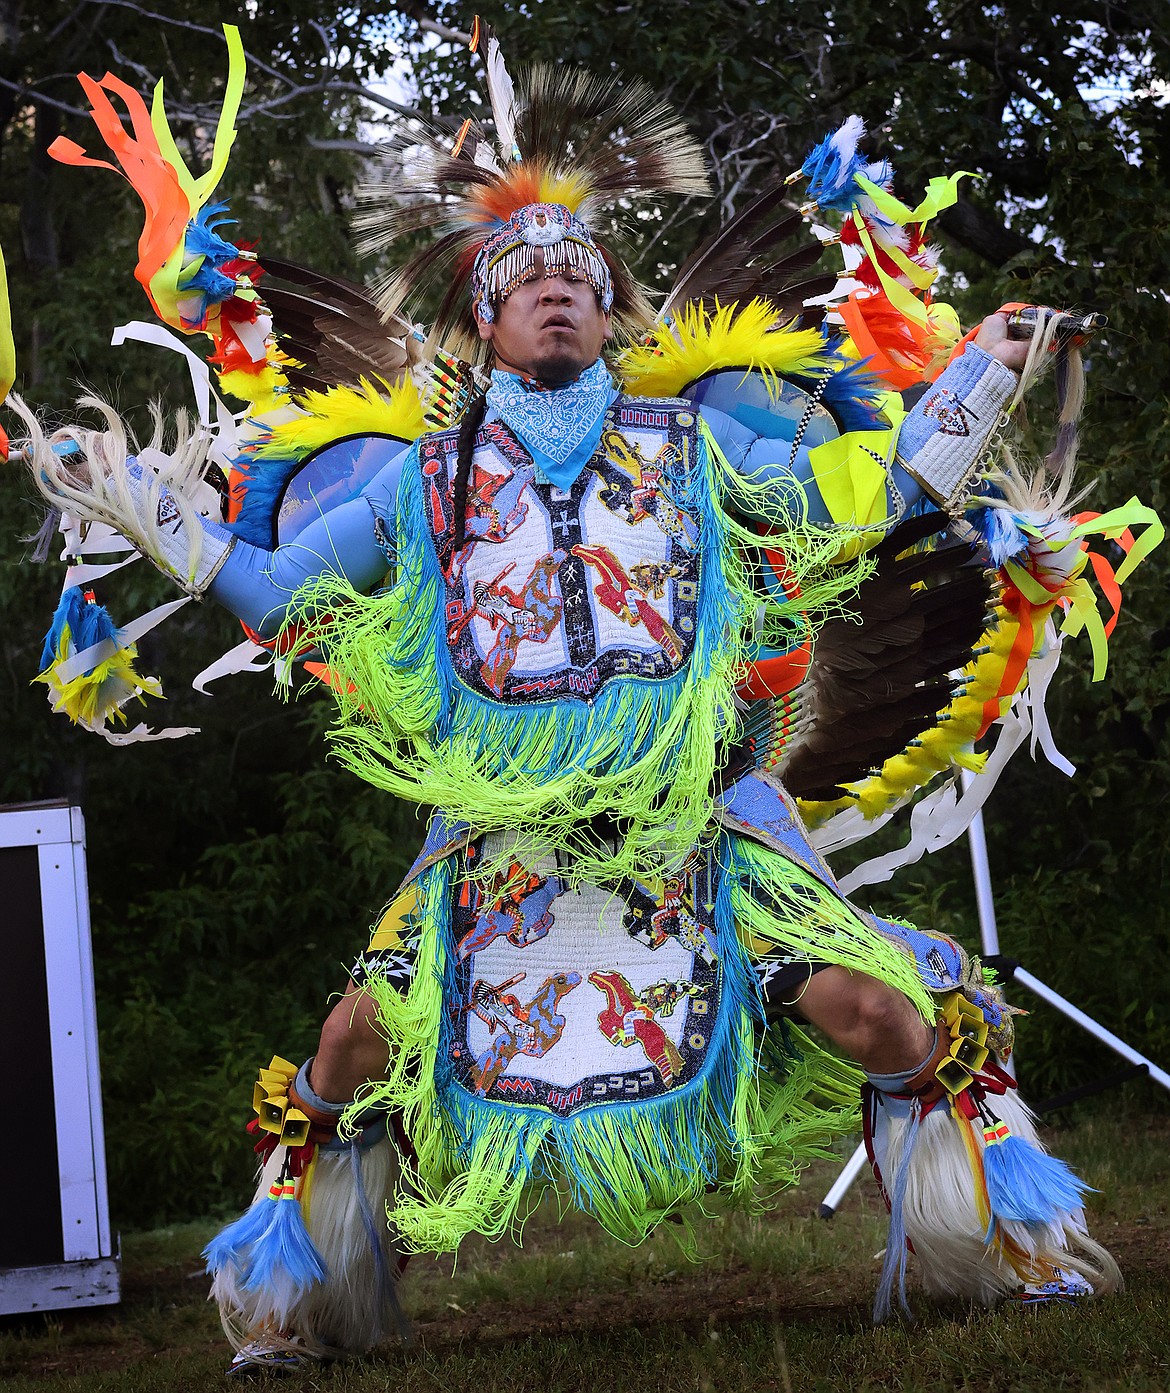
[874,688]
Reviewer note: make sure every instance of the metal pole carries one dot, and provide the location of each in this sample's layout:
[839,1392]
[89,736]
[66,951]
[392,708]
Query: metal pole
[1106,1037]
[849,1174]
[980,869]
[989,937]
[984,899]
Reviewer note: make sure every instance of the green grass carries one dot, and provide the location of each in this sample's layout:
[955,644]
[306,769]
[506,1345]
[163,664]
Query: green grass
[781,1304]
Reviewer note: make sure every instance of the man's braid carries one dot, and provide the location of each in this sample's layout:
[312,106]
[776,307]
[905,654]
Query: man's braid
[468,430]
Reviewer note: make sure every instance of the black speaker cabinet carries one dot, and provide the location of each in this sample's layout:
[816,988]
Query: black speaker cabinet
[55,1243]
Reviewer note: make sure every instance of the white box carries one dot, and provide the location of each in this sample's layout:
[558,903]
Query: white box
[56,1249]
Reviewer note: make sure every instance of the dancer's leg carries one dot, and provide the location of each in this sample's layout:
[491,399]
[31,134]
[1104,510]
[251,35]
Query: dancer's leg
[350,1051]
[946,1218]
[869,1021]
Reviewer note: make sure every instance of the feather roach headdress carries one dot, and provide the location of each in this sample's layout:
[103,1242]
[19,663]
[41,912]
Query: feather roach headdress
[566,147]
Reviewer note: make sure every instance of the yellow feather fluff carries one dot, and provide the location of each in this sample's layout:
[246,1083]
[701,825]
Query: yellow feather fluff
[368,409]
[262,389]
[735,336]
[96,696]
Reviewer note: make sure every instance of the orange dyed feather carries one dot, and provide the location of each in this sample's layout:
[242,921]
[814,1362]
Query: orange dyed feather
[154,181]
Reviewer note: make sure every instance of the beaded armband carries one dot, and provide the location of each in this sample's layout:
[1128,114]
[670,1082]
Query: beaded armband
[942,442]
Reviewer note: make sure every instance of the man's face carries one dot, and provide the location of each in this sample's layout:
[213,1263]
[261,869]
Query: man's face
[552,329]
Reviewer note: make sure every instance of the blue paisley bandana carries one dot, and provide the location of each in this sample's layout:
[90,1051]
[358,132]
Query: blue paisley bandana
[558,426]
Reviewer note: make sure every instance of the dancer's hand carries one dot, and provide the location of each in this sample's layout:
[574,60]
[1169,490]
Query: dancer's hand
[993,338]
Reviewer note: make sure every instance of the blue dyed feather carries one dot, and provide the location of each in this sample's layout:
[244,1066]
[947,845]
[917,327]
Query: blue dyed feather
[831,176]
[850,393]
[1001,534]
[1027,1184]
[264,484]
[212,284]
[88,623]
[283,1256]
[201,240]
[232,1245]
[832,166]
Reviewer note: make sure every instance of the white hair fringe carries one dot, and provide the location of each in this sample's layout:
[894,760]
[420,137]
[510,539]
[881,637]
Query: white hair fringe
[1046,487]
[105,489]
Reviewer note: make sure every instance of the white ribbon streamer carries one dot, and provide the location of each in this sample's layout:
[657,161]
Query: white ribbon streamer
[225,447]
[82,575]
[99,537]
[143,732]
[244,657]
[89,658]
[1041,671]
[942,817]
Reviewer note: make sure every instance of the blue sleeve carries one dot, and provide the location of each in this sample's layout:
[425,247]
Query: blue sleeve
[778,465]
[938,448]
[257,585]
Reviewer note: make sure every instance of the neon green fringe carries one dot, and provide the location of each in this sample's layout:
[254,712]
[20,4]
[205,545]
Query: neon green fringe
[642,750]
[781,908]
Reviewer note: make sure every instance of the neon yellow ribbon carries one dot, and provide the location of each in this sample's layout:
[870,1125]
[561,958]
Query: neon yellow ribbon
[851,482]
[1076,593]
[1084,614]
[1113,523]
[7,346]
[1033,590]
[903,300]
[941,192]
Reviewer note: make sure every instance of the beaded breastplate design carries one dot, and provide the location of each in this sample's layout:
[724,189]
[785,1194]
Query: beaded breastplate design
[557,592]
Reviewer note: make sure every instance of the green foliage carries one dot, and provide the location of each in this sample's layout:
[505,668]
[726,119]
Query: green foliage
[233,874]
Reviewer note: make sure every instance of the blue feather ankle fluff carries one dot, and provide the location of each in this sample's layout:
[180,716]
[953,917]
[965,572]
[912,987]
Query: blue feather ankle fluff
[1027,1184]
[233,1244]
[269,1246]
[283,1257]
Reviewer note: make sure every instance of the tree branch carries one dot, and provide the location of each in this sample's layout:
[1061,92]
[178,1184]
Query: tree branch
[352,147]
[418,14]
[1005,63]
[202,114]
[192,27]
[1029,176]
[265,108]
[982,233]
[26,93]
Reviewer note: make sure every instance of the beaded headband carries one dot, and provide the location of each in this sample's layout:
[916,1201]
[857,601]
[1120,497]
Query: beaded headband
[565,146]
[508,258]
